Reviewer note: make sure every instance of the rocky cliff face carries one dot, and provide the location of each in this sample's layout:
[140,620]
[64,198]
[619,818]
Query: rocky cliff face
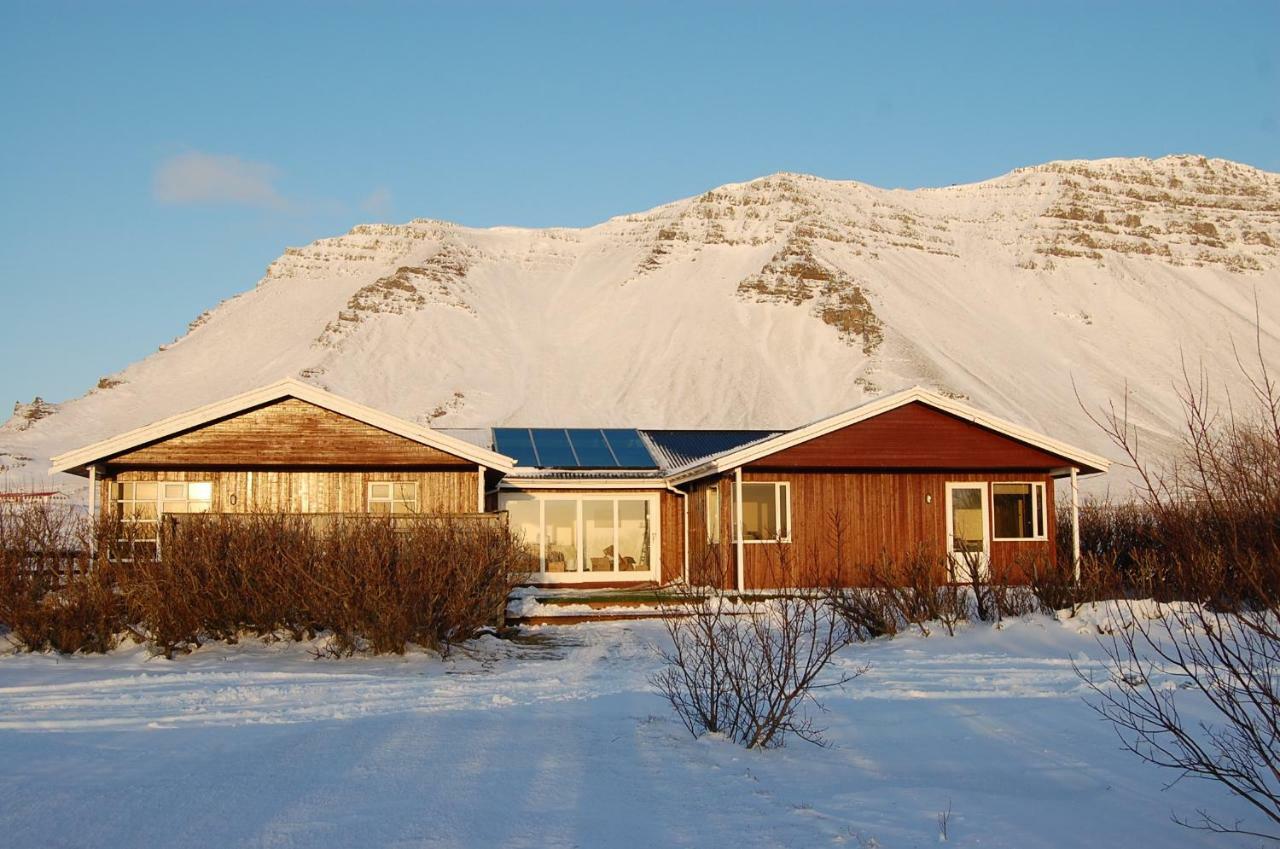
[761,304]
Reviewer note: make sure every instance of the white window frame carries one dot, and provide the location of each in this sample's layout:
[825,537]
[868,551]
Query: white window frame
[779,500]
[160,500]
[581,576]
[954,561]
[1039,517]
[712,506]
[370,500]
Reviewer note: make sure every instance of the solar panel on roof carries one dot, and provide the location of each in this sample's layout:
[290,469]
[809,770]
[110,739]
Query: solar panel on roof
[576,448]
[629,448]
[592,449]
[516,442]
[553,447]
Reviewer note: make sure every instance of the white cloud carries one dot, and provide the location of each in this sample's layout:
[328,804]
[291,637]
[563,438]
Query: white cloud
[378,202]
[198,178]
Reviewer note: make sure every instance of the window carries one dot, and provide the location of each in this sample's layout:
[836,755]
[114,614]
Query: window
[585,537]
[766,512]
[139,504]
[393,497]
[713,514]
[1018,510]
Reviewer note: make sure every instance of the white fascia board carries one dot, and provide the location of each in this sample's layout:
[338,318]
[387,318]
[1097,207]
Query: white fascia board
[759,450]
[527,483]
[289,387]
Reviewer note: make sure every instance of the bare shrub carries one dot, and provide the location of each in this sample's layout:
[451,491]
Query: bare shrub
[376,584]
[869,612]
[1230,659]
[434,584]
[51,595]
[750,668]
[918,588]
[1011,597]
[971,570]
[1218,510]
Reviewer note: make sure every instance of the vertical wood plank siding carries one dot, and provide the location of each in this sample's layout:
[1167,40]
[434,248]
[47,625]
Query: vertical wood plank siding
[843,522]
[310,491]
[671,529]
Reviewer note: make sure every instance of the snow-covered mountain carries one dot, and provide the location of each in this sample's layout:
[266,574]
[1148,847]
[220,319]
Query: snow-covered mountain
[761,304]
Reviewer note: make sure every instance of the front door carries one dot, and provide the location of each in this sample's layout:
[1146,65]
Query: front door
[968,540]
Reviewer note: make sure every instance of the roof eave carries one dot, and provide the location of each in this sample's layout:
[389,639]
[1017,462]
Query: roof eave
[77,461]
[1089,463]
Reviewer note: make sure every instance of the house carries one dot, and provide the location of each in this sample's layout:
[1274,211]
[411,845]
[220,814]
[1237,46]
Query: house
[619,506]
[18,499]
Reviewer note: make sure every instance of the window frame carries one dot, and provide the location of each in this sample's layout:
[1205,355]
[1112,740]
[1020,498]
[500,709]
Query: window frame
[581,575]
[1039,511]
[370,499]
[778,502]
[158,502]
[713,522]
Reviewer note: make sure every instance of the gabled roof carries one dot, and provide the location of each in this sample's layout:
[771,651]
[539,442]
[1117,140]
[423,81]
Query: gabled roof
[1087,462]
[76,461]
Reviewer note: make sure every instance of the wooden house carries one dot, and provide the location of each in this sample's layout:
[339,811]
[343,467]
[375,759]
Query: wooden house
[620,506]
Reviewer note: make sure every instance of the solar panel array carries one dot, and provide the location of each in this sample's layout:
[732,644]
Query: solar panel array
[574,448]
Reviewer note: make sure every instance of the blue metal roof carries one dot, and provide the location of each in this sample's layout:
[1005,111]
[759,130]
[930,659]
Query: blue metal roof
[676,448]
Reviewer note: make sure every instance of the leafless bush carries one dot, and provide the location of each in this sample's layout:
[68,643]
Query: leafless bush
[1117,532]
[1218,510]
[971,570]
[51,597]
[751,668]
[1011,597]
[869,612]
[1230,659]
[917,590]
[376,585]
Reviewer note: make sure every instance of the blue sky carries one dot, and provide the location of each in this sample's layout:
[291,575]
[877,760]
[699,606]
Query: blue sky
[154,158]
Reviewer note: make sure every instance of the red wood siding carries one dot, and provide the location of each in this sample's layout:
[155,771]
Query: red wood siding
[843,522]
[671,543]
[914,436]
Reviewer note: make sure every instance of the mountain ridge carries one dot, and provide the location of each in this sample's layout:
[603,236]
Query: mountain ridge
[764,303]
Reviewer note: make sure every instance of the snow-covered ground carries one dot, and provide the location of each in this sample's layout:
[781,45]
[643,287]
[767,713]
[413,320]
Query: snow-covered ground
[559,741]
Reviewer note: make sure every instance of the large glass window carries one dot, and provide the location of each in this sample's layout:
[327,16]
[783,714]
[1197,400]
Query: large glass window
[560,529]
[525,518]
[633,536]
[1018,510]
[594,534]
[766,512]
[597,535]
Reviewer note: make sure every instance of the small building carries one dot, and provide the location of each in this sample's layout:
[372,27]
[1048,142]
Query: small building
[747,509]
[21,498]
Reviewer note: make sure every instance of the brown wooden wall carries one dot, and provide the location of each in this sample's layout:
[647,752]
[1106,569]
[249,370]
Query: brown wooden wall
[672,536]
[914,436]
[842,522]
[311,491]
[289,432]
